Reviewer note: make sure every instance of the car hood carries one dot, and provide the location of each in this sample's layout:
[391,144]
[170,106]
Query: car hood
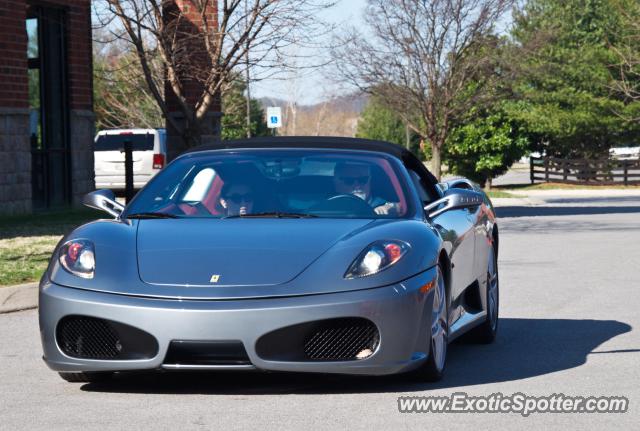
[234,252]
[254,258]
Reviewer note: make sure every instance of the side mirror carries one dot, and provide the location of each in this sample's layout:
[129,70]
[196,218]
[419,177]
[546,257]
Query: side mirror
[103,200]
[444,187]
[455,199]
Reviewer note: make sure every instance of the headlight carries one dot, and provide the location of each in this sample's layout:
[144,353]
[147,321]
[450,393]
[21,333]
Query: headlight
[377,257]
[78,257]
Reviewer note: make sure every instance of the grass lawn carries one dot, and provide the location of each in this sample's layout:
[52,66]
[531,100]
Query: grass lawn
[494,193]
[26,242]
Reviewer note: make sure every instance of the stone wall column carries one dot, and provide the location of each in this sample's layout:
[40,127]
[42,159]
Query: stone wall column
[15,161]
[82,132]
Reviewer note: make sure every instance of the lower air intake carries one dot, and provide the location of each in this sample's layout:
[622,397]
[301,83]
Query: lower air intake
[206,353]
[87,337]
[342,339]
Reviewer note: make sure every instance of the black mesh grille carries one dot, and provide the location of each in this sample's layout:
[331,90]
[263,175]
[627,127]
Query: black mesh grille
[88,338]
[342,339]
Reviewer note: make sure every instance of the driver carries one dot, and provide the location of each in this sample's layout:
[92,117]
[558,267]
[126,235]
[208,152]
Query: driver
[236,199]
[355,179]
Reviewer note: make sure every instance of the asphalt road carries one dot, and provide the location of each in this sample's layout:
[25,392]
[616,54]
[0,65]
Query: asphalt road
[515,176]
[570,294]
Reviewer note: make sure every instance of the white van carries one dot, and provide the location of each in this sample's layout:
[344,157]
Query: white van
[149,156]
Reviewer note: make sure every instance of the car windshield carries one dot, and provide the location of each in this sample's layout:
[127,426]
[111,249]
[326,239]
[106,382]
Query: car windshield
[275,183]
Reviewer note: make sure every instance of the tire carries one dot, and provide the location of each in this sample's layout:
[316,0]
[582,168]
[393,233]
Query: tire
[433,369]
[486,332]
[86,377]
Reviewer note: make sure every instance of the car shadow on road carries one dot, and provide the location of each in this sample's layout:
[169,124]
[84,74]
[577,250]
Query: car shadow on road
[542,211]
[524,348]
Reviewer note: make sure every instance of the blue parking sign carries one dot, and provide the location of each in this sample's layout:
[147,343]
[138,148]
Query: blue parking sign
[274,116]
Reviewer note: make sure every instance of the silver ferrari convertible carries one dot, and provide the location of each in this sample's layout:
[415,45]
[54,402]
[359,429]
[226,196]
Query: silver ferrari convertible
[323,255]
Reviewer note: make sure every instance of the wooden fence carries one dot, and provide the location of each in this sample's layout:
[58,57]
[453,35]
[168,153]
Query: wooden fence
[585,171]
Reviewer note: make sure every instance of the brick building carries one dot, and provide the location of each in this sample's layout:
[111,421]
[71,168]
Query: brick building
[189,22]
[46,106]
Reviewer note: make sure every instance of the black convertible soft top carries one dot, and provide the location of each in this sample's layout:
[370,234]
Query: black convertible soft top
[407,157]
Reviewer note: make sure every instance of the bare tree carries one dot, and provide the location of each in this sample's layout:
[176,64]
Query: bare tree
[121,96]
[424,59]
[203,44]
[321,115]
[292,91]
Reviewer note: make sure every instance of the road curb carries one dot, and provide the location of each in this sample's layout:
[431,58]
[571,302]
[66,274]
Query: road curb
[18,298]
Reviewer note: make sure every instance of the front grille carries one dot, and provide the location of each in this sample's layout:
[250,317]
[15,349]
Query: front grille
[87,337]
[182,352]
[342,339]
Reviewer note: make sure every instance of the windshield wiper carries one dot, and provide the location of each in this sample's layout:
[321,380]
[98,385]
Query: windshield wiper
[149,215]
[275,214]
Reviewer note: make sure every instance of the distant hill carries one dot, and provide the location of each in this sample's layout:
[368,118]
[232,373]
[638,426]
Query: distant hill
[337,116]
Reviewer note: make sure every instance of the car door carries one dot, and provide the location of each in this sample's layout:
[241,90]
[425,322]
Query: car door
[144,144]
[457,228]
[484,237]
[482,227]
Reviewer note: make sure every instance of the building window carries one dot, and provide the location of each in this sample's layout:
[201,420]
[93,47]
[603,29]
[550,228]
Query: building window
[48,107]
[33,52]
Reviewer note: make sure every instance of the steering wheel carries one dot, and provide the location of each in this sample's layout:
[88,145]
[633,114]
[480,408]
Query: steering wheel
[346,203]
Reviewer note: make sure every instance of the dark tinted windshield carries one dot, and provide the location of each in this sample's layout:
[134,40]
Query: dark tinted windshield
[277,183]
[140,142]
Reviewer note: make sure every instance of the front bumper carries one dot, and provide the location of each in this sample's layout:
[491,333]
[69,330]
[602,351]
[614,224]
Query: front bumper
[401,313]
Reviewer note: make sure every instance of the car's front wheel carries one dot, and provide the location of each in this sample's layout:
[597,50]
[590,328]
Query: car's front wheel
[433,368]
[86,377]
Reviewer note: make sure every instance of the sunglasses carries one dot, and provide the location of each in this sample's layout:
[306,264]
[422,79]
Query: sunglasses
[237,197]
[350,181]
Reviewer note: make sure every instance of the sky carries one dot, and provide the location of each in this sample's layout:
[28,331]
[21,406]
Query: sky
[313,86]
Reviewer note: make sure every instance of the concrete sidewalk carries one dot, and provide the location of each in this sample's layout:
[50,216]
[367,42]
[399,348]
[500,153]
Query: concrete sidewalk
[521,200]
[18,298]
